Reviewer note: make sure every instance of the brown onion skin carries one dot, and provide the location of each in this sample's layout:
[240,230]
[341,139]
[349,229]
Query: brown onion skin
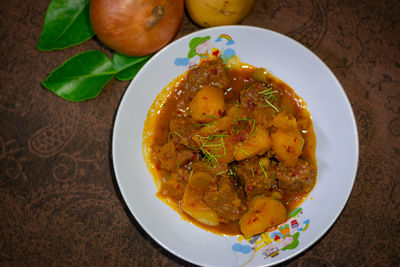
[123,25]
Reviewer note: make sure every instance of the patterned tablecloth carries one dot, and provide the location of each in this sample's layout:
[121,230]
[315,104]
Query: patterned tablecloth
[59,202]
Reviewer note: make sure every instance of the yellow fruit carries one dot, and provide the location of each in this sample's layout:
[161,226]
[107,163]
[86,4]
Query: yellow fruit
[209,13]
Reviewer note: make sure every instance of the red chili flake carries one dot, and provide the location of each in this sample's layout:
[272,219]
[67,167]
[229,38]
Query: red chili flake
[178,186]
[184,178]
[179,147]
[214,71]
[250,187]
[205,98]
[250,103]
[294,140]
[235,138]
[219,112]
[158,167]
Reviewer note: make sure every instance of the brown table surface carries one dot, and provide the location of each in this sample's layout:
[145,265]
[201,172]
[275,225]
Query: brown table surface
[59,202]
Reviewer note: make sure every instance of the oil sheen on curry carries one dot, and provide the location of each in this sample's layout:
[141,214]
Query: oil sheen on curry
[231,148]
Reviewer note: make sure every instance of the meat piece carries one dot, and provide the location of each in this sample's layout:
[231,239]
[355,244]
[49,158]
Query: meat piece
[174,186]
[181,131]
[167,157]
[298,179]
[184,155]
[224,200]
[258,95]
[211,72]
[256,179]
[171,158]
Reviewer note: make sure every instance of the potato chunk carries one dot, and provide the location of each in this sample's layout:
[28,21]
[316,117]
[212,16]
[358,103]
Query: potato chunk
[264,212]
[287,146]
[208,104]
[192,202]
[284,122]
[258,144]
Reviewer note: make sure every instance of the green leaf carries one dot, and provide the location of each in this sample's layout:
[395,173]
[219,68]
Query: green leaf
[127,67]
[67,23]
[81,77]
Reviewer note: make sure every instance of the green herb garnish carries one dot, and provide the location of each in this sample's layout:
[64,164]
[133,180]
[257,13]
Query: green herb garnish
[269,96]
[301,138]
[209,145]
[251,168]
[222,172]
[233,171]
[244,151]
[262,168]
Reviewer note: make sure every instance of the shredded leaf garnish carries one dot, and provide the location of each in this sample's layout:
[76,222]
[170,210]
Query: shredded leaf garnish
[262,168]
[269,96]
[252,132]
[269,103]
[222,172]
[244,151]
[266,175]
[237,110]
[181,137]
[210,158]
[209,116]
[204,124]
[301,138]
[210,144]
[237,126]
[233,171]
[176,133]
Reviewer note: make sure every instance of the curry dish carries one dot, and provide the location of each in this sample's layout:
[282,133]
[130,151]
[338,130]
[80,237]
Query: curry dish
[231,148]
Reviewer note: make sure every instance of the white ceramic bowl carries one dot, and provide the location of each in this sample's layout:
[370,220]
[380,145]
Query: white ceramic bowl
[334,124]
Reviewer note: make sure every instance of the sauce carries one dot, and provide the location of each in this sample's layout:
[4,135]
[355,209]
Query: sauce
[173,102]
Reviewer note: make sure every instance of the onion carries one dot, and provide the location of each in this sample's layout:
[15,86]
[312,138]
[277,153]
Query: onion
[136,27]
